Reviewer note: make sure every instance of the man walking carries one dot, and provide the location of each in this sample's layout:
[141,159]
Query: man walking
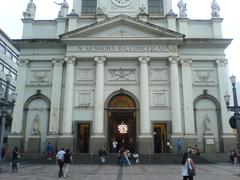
[60,161]
[179,146]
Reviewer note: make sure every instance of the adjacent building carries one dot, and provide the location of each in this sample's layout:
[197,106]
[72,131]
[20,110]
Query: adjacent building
[133,71]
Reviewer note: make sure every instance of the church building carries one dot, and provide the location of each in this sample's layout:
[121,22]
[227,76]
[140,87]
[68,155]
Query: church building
[126,70]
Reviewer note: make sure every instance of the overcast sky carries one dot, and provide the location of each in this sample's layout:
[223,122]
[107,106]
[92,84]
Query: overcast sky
[11,14]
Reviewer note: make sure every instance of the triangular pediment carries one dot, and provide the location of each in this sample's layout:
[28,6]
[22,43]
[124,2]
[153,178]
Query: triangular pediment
[121,27]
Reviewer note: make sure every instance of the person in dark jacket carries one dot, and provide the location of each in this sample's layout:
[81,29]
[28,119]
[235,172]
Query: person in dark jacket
[15,159]
[67,162]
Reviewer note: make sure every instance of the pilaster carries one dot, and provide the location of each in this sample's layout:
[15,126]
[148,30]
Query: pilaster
[61,26]
[187,96]
[217,27]
[183,25]
[68,96]
[27,28]
[20,90]
[72,22]
[223,88]
[56,96]
[175,97]
[171,20]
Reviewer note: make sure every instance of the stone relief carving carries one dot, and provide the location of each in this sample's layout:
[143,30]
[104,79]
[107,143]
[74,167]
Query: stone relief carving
[203,76]
[159,98]
[30,11]
[85,75]
[121,74]
[215,9]
[158,74]
[36,126]
[182,9]
[40,76]
[22,62]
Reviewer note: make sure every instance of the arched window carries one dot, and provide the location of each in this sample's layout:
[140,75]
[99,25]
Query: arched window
[155,7]
[89,7]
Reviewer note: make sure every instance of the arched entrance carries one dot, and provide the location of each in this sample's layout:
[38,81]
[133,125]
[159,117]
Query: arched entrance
[121,112]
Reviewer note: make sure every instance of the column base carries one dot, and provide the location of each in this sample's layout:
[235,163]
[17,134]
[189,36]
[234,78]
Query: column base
[97,141]
[229,142]
[146,145]
[15,141]
[65,141]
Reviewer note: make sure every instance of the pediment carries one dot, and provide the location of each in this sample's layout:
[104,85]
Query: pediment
[121,27]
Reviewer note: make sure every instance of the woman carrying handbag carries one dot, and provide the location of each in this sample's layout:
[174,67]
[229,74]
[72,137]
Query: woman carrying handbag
[188,169]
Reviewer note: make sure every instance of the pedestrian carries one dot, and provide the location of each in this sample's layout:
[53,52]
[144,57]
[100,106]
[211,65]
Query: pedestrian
[188,168]
[15,159]
[179,146]
[60,161]
[114,146]
[67,162]
[169,146]
[3,152]
[49,151]
[125,155]
[102,156]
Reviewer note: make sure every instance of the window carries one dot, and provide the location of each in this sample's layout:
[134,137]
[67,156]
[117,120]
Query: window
[89,7]
[155,7]
[6,69]
[2,48]
[9,54]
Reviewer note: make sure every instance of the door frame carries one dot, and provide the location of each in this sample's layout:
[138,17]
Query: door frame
[76,124]
[167,133]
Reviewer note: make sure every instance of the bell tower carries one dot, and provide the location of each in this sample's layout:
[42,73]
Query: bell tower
[155,8]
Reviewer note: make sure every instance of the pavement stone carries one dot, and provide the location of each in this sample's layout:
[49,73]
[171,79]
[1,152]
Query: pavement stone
[114,172]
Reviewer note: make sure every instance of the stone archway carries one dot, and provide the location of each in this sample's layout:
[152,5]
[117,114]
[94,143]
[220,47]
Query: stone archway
[121,111]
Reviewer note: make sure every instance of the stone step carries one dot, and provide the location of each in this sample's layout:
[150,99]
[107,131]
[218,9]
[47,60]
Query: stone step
[89,158]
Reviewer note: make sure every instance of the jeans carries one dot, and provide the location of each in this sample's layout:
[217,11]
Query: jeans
[187,177]
[60,164]
[67,167]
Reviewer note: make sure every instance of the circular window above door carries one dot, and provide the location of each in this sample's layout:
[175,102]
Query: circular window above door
[122,3]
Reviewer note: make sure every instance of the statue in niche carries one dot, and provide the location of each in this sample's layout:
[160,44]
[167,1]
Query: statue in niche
[36,125]
[63,10]
[207,124]
[182,9]
[215,9]
[30,11]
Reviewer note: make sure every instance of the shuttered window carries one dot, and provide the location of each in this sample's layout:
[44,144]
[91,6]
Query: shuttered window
[155,7]
[89,7]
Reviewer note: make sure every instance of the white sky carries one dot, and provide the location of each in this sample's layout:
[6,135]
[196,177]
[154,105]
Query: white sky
[11,14]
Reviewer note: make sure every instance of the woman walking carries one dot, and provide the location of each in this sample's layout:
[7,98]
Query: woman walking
[188,169]
[15,159]
[67,162]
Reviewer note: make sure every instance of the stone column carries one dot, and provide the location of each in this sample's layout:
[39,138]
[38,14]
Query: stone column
[223,82]
[15,139]
[145,137]
[53,129]
[175,98]
[98,137]
[68,96]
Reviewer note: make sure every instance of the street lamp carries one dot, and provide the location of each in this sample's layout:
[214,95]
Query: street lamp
[235,108]
[6,103]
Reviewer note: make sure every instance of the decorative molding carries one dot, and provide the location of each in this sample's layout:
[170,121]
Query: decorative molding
[57,62]
[186,62]
[100,59]
[121,75]
[173,59]
[22,62]
[143,59]
[84,99]
[221,62]
[70,59]
[40,75]
[204,76]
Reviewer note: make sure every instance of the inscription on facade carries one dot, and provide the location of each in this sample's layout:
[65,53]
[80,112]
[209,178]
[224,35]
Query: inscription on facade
[127,48]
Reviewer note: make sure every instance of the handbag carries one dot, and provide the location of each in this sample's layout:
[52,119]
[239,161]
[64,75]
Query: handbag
[191,171]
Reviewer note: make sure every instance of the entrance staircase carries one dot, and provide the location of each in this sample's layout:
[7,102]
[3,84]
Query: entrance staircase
[89,158]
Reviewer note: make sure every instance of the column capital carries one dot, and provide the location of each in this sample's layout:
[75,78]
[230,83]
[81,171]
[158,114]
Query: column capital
[57,62]
[70,59]
[221,62]
[186,62]
[144,59]
[173,59]
[22,62]
[100,59]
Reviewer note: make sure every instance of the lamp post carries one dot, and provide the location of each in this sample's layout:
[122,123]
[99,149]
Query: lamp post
[235,108]
[5,106]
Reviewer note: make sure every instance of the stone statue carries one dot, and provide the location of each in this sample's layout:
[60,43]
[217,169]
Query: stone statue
[182,9]
[207,124]
[30,11]
[215,9]
[63,10]
[142,9]
[36,125]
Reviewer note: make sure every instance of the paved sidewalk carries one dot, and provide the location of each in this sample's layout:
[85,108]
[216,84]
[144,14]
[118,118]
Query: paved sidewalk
[114,172]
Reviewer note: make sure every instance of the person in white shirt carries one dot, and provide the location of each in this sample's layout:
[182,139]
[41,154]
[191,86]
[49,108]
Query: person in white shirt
[60,161]
[187,165]
[114,146]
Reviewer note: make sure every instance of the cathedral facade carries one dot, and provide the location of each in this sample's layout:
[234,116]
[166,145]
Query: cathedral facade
[124,70]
